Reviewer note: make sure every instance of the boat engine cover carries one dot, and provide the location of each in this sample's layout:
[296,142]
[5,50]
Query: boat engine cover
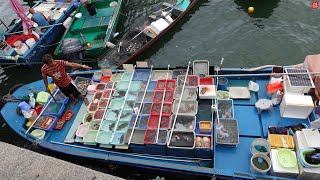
[71,45]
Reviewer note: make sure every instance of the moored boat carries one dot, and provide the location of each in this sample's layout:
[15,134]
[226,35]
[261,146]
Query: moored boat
[90,32]
[147,32]
[197,119]
[33,46]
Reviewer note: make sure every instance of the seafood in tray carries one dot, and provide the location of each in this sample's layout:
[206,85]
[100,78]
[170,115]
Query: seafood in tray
[189,107]
[103,103]
[98,115]
[184,122]
[203,141]
[225,108]
[182,139]
[156,108]
[189,92]
[82,84]
[158,96]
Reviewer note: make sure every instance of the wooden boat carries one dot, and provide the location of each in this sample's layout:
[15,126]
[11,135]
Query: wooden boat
[8,55]
[139,38]
[93,31]
[205,132]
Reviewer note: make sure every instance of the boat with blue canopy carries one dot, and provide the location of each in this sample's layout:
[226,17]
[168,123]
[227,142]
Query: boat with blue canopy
[242,123]
[17,47]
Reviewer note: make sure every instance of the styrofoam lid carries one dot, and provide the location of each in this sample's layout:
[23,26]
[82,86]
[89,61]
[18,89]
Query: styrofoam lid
[298,100]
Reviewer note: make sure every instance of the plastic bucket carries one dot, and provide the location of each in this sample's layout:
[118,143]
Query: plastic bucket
[222,83]
[32,115]
[24,106]
[30,42]
[260,163]
[260,145]
[90,8]
[22,49]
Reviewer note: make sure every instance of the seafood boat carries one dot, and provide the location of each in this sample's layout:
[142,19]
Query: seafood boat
[18,48]
[147,32]
[90,30]
[195,119]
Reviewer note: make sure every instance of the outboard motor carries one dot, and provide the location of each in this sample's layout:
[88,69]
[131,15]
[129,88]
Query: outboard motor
[73,49]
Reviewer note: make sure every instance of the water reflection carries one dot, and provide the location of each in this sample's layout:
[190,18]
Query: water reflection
[262,8]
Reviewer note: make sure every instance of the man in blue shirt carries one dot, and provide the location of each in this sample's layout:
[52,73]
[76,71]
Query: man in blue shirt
[40,19]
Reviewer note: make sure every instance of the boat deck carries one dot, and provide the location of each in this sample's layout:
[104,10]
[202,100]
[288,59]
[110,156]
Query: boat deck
[219,160]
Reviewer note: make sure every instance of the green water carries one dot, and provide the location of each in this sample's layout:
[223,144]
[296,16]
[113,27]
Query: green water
[260,163]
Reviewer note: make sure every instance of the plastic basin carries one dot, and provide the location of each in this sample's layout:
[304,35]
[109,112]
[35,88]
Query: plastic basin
[82,129]
[286,158]
[103,137]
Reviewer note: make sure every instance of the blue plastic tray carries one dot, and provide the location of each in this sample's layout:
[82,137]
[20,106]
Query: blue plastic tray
[141,74]
[52,124]
[54,109]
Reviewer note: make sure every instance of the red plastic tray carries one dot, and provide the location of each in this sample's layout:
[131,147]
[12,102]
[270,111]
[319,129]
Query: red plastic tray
[67,115]
[150,136]
[13,38]
[193,80]
[156,108]
[153,121]
[105,79]
[206,81]
[169,84]
[106,94]
[59,124]
[104,103]
[98,115]
[158,96]
[97,95]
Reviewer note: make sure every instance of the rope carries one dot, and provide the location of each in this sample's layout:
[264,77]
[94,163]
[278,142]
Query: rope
[49,45]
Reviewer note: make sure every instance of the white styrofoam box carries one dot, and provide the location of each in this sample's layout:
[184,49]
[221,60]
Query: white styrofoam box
[278,170]
[157,26]
[315,124]
[200,67]
[299,141]
[312,137]
[296,106]
[207,91]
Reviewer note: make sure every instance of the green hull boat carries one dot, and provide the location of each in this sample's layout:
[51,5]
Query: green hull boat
[95,31]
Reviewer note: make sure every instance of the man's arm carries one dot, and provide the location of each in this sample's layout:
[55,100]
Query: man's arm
[76,65]
[45,80]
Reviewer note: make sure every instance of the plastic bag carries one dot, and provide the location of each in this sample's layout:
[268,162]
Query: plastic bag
[274,87]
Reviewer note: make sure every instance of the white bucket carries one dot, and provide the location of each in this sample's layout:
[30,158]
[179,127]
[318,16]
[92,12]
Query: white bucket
[22,50]
[261,157]
[30,42]
[260,142]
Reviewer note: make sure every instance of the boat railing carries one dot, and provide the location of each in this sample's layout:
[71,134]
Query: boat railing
[140,106]
[178,107]
[162,102]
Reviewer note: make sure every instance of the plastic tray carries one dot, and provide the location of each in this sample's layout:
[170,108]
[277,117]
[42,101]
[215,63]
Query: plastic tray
[205,126]
[204,142]
[111,85]
[118,138]
[94,125]
[97,95]
[168,84]
[185,105]
[206,81]
[137,136]
[107,93]
[161,74]
[122,126]
[150,136]
[103,137]
[98,115]
[89,137]
[103,103]
[227,132]
[119,94]
[192,80]
[100,87]
[126,115]
[177,72]
[146,107]
[182,140]
[108,125]
[184,122]
[122,85]
[223,95]
[105,79]
[129,105]
[54,109]
[225,108]
[135,86]
[153,121]
[156,108]
[116,77]
[151,85]
[147,98]
[190,93]
[143,121]
[201,67]
[67,115]
[158,96]
[112,114]
[82,129]
[59,96]
[43,124]
[162,137]
[92,107]
[126,76]
[141,74]
[59,124]
[116,103]
[97,76]
[86,119]
[82,84]
[132,95]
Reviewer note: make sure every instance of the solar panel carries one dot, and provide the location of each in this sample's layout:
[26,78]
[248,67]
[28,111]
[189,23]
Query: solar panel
[301,80]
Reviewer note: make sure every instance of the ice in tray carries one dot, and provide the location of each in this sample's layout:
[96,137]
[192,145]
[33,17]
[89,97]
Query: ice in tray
[225,108]
[119,93]
[189,93]
[182,139]
[162,74]
[184,122]
[188,107]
